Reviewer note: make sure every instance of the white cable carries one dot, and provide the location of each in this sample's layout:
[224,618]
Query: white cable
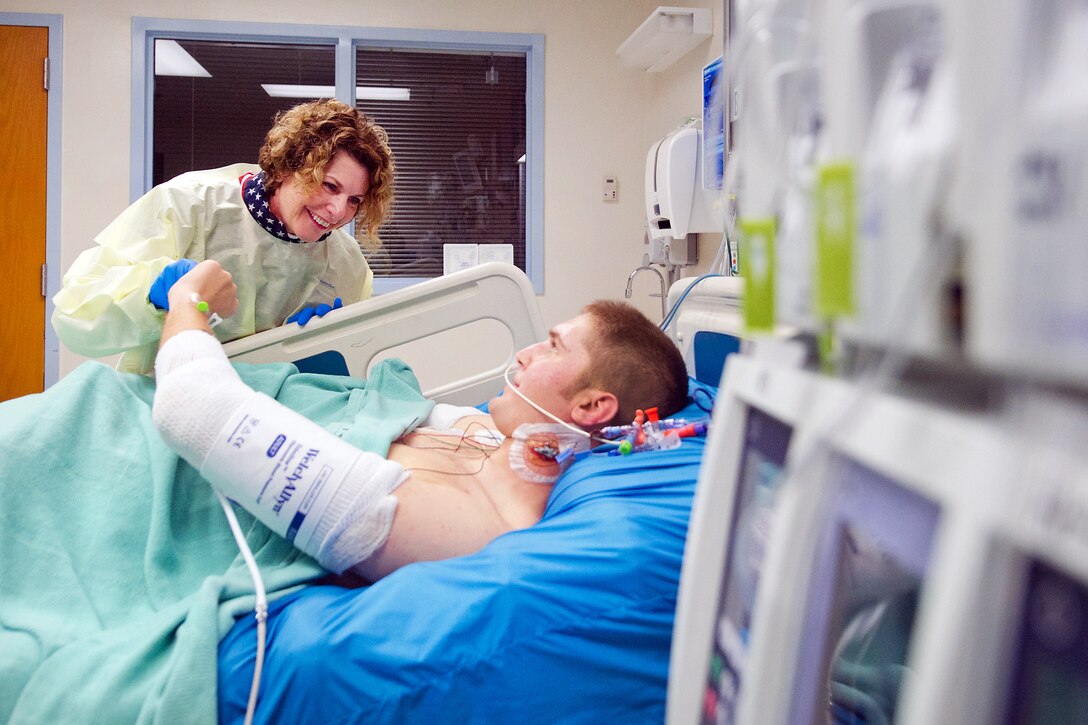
[506,377]
[718,264]
[260,607]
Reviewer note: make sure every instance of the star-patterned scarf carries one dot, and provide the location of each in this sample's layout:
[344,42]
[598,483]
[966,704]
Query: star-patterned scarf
[256,199]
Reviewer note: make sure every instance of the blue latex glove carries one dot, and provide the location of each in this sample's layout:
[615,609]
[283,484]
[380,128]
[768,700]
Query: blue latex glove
[303,316]
[161,286]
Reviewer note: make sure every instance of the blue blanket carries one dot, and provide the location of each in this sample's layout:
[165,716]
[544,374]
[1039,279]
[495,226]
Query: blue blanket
[568,621]
[119,572]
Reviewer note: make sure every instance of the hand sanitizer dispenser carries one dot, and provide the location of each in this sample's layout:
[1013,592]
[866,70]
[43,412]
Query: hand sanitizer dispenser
[676,202]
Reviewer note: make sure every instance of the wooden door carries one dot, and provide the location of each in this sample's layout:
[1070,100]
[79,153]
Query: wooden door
[23,129]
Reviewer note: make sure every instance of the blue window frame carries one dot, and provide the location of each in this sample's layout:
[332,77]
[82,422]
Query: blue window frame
[458,182]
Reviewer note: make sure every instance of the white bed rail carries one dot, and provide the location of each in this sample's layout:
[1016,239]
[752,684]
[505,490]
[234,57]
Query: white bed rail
[361,332]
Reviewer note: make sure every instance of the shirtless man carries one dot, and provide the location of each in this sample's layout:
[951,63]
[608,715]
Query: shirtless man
[423,502]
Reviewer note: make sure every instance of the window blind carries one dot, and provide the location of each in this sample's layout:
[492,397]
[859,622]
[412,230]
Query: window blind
[459,144]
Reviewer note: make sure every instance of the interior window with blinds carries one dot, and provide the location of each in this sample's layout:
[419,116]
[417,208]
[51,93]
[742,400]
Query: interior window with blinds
[214,101]
[456,121]
[456,124]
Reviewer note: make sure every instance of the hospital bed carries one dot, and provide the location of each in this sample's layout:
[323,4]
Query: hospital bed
[434,321]
[568,621]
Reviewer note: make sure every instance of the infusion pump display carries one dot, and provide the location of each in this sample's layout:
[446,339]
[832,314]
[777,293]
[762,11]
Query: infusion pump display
[766,440]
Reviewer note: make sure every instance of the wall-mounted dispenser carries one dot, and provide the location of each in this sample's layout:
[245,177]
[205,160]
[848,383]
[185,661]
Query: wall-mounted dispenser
[676,202]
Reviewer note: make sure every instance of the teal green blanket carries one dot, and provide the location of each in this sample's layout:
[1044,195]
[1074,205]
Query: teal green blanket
[119,571]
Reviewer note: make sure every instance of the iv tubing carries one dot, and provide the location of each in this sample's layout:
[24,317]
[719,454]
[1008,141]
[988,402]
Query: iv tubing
[260,607]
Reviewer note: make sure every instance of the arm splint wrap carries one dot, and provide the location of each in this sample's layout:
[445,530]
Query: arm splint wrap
[325,496]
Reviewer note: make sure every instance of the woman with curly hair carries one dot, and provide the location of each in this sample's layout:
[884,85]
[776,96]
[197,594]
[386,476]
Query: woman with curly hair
[275,226]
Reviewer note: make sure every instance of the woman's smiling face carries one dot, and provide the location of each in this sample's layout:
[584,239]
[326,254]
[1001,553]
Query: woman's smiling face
[333,204]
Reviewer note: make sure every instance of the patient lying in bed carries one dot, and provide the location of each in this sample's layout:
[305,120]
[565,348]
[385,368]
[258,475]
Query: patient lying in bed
[419,501]
[121,578]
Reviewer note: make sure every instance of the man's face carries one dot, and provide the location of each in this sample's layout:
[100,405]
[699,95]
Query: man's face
[545,373]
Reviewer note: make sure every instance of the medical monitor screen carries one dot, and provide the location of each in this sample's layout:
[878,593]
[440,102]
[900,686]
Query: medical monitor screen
[1050,670]
[871,566]
[763,456]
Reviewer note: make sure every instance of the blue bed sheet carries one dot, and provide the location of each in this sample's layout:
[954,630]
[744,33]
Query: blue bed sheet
[569,621]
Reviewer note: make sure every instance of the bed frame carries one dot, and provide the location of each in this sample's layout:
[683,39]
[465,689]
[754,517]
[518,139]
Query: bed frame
[357,335]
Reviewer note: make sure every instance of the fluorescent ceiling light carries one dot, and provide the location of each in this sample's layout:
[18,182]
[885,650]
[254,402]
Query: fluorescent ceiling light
[362,93]
[382,93]
[173,60]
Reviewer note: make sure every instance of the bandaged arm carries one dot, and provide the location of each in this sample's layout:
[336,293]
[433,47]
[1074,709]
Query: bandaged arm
[330,499]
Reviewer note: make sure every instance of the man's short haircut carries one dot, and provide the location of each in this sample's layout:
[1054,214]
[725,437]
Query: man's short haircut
[634,360]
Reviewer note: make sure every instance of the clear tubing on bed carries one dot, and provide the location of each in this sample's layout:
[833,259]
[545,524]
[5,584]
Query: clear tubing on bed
[280,466]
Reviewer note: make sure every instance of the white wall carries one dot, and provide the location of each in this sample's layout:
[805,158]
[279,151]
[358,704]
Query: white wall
[599,118]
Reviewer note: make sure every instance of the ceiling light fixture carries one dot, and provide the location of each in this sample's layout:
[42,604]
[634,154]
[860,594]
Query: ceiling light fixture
[362,93]
[173,60]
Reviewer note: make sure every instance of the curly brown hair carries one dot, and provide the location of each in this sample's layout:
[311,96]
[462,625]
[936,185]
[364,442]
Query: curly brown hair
[633,359]
[303,140]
